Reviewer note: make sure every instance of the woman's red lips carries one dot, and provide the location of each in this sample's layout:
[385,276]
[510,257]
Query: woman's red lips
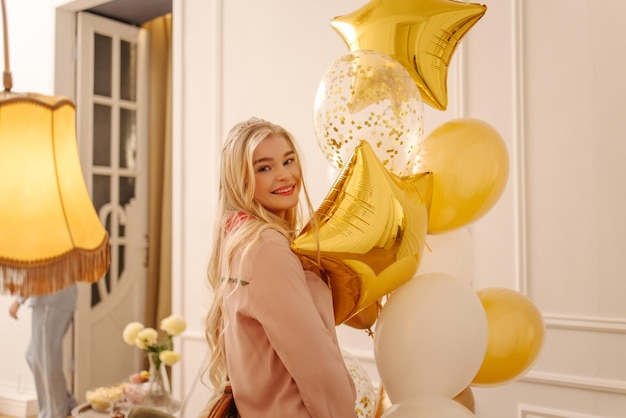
[284,190]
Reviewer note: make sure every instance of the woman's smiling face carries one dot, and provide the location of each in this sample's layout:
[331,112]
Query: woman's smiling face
[277,175]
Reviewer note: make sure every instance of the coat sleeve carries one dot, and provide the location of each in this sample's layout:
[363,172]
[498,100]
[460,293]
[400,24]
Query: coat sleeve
[283,303]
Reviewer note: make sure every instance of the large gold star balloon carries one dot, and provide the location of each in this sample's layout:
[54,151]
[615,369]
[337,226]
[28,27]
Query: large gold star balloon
[372,228]
[420,34]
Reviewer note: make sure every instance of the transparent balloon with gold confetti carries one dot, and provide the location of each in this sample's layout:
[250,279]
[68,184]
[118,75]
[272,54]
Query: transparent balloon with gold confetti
[368,96]
[366,393]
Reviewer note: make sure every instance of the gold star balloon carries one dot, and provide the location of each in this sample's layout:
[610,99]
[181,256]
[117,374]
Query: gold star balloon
[420,34]
[372,228]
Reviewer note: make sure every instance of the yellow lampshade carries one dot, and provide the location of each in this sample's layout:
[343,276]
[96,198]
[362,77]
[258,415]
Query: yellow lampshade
[50,233]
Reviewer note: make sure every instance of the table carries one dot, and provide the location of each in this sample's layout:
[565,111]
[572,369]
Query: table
[84,410]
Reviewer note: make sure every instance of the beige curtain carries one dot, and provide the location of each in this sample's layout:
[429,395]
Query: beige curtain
[159,293]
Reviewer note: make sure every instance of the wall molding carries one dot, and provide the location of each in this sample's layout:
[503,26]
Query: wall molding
[585,323]
[519,150]
[528,411]
[18,402]
[193,335]
[575,382]
[553,321]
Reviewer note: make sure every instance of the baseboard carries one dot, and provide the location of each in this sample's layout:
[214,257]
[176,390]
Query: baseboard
[22,404]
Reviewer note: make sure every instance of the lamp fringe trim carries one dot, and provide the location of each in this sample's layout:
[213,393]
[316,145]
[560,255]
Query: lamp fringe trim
[42,277]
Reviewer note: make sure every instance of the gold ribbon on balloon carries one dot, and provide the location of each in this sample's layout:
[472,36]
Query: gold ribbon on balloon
[421,35]
[372,228]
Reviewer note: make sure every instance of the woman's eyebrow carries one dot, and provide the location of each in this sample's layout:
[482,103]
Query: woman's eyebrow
[266,159]
[262,160]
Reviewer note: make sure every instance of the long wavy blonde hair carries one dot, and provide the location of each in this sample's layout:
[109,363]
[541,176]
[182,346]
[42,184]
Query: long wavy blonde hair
[236,194]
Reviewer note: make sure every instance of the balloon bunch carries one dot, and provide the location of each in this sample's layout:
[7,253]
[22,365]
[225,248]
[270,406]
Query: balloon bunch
[401,201]
[436,338]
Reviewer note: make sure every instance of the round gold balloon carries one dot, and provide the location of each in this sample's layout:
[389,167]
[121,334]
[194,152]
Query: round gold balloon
[515,330]
[369,96]
[421,35]
[372,231]
[470,166]
[366,318]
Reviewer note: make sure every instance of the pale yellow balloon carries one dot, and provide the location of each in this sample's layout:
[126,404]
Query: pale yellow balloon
[515,329]
[451,252]
[372,227]
[470,165]
[421,35]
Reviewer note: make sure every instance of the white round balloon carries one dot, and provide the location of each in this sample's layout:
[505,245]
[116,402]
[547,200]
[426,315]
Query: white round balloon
[430,338]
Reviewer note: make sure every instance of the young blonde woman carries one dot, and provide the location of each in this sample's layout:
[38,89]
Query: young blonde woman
[270,327]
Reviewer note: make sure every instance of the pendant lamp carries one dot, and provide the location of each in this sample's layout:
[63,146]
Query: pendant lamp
[50,234]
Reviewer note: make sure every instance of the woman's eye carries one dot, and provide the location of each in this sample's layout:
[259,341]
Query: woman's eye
[263,168]
[289,161]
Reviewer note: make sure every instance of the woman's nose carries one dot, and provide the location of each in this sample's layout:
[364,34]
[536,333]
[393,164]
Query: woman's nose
[282,172]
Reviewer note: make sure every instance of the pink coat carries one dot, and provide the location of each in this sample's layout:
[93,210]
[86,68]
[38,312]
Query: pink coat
[282,353]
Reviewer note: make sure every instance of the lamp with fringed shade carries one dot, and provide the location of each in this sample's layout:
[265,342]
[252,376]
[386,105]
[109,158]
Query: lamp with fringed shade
[50,234]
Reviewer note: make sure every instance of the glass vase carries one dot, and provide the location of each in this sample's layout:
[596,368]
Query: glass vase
[158,393]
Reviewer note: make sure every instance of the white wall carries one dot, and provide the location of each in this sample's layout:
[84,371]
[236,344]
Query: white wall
[31,44]
[14,372]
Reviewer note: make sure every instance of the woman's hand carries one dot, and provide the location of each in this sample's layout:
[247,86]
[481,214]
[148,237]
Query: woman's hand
[15,306]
